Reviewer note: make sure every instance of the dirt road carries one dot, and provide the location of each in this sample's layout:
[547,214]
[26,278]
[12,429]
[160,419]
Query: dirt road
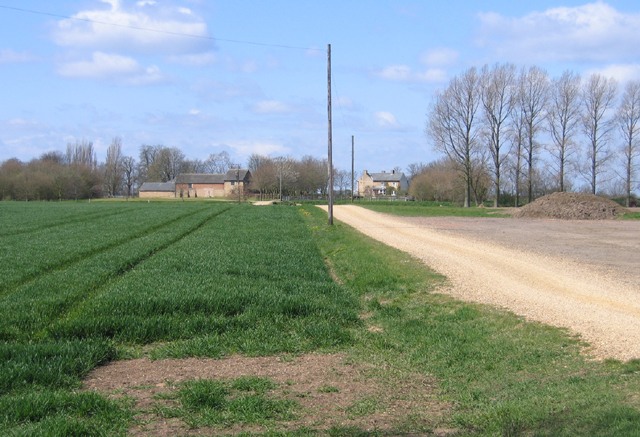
[577,275]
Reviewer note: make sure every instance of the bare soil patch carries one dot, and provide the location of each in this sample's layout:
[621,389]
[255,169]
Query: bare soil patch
[330,389]
[571,206]
[581,275]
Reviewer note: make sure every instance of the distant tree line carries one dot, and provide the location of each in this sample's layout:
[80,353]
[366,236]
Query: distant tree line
[77,174]
[272,177]
[518,134]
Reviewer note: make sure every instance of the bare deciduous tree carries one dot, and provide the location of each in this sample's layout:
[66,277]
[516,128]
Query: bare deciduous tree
[414,169]
[533,96]
[563,117]
[628,118]
[218,163]
[517,137]
[130,174]
[498,98]
[113,167]
[452,124]
[598,97]
[263,174]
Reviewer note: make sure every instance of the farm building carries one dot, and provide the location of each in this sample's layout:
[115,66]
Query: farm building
[382,184]
[199,185]
[157,189]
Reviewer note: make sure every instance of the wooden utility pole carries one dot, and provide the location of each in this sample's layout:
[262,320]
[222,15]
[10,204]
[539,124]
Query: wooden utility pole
[352,160]
[330,157]
[238,184]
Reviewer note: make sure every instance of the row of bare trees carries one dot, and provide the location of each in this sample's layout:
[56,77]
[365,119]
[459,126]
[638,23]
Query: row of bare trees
[526,125]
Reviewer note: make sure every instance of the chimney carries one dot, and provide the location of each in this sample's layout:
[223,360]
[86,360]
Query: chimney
[393,172]
[382,171]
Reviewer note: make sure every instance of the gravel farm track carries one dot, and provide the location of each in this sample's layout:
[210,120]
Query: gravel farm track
[581,275]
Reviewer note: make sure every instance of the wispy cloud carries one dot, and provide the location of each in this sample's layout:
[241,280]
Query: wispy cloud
[386,120]
[161,22]
[271,107]
[591,32]
[194,59]
[440,57]
[404,73]
[8,56]
[216,90]
[112,68]
[621,72]
[246,148]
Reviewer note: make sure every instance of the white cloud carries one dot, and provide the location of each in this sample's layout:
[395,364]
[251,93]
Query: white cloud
[440,57]
[386,120]
[404,73]
[161,22]
[345,102]
[316,52]
[194,60]
[216,90]
[8,56]
[246,148]
[112,68]
[621,72]
[271,107]
[194,112]
[592,32]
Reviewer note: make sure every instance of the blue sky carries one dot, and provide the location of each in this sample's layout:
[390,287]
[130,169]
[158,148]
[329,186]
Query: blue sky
[63,80]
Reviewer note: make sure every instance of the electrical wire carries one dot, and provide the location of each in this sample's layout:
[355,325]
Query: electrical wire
[145,29]
[344,121]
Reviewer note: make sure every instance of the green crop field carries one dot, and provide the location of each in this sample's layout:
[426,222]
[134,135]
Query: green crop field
[83,284]
[83,280]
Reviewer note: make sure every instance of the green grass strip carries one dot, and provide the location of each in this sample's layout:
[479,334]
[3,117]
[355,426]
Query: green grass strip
[418,209]
[246,400]
[60,413]
[50,364]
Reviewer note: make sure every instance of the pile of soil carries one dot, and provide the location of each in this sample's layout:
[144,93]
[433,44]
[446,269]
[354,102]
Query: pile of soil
[571,206]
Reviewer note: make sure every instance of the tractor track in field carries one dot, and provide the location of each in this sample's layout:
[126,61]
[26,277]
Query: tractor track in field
[575,275]
[80,257]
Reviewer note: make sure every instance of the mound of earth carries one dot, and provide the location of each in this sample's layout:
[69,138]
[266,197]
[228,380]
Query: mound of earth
[571,206]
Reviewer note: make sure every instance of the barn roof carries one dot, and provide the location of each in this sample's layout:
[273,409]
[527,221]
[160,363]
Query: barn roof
[158,186]
[192,178]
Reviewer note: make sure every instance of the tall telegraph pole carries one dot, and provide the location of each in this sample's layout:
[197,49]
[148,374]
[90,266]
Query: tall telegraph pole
[330,158]
[352,159]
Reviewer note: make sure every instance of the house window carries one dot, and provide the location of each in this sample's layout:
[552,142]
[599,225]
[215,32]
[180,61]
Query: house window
[233,182]
[190,185]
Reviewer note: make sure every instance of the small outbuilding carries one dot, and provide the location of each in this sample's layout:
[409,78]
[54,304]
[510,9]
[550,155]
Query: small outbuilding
[157,189]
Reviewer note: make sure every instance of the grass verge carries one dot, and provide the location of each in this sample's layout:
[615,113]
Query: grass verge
[432,209]
[501,374]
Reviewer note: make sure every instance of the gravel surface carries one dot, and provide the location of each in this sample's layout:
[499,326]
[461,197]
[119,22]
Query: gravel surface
[578,275]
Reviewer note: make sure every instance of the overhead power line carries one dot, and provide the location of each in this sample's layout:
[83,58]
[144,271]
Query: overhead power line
[145,29]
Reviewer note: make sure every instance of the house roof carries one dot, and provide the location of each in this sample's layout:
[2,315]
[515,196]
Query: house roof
[192,178]
[243,174]
[158,186]
[386,177]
